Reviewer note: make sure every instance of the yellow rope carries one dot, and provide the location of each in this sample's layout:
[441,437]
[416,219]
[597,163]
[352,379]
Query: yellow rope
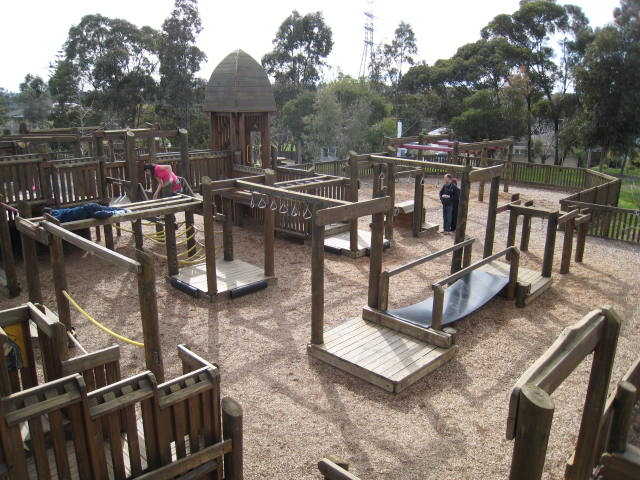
[98,324]
[186,239]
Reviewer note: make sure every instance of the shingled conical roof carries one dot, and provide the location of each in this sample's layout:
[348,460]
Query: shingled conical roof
[239,84]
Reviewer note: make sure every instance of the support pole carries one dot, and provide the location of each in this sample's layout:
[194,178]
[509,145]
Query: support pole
[269,229]
[132,164]
[512,230]
[508,176]
[535,413]
[108,236]
[227,229]
[550,245]
[461,224]
[567,247]
[170,243]
[59,276]
[185,167]
[418,204]
[353,197]
[622,417]
[209,237]
[317,281]
[391,191]
[266,142]
[232,430]
[30,259]
[490,232]
[581,241]
[149,315]
[189,224]
[8,260]
[375,259]
[526,233]
[136,226]
[483,164]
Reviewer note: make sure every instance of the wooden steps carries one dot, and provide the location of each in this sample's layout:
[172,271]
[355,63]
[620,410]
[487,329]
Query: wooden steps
[379,355]
[531,283]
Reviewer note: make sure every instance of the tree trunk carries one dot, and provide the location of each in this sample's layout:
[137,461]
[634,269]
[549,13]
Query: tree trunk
[624,163]
[556,141]
[298,151]
[529,128]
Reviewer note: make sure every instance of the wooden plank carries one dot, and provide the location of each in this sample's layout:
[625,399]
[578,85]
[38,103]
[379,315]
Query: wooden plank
[483,174]
[92,248]
[345,212]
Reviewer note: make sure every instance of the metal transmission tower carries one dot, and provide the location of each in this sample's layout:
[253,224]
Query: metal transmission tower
[367,50]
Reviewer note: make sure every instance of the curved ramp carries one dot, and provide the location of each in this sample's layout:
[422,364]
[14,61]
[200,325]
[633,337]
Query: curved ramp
[462,298]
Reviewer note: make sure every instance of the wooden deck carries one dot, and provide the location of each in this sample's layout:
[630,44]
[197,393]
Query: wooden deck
[231,276]
[340,243]
[531,283]
[379,355]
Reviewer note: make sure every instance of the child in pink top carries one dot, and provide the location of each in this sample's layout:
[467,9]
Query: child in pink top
[168,182]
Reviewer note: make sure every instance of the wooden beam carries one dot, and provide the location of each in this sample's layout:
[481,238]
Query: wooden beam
[276,192]
[416,163]
[209,237]
[269,231]
[532,211]
[317,281]
[490,232]
[484,174]
[350,211]
[92,248]
[149,315]
[375,258]
[430,257]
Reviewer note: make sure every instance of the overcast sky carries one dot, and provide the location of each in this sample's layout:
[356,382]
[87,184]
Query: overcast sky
[34,31]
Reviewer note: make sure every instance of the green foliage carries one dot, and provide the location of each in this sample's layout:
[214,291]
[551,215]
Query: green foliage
[400,52]
[35,100]
[301,45]
[180,59]
[107,66]
[607,82]
[4,109]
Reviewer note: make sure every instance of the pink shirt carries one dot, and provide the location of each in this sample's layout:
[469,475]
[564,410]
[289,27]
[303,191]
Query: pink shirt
[167,177]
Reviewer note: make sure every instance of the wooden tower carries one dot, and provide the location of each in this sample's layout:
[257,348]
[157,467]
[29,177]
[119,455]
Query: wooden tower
[239,101]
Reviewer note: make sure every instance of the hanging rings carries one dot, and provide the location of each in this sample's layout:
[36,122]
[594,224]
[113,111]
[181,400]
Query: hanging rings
[284,209]
[274,205]
[294,210]
[307,214]
[262,203]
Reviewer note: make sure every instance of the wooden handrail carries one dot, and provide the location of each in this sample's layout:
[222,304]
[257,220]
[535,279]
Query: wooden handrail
[432,256]
[461,273]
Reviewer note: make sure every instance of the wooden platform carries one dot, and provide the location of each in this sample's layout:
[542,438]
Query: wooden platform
[340,243]
[531,283]
[231,276]
[379,355]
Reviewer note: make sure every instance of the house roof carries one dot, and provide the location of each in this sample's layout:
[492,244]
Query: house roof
[239,84]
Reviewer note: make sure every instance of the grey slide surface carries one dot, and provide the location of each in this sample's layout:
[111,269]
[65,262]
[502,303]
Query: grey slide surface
[461,298]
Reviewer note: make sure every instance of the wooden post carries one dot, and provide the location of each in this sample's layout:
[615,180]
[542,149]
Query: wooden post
[377,182]
[170,243]
[622,416]
[232,430]
[30,259]
[99,154]
[266,142]
[526,233]
[227,229]
[438,307]
[508,175]
[353,197]
[466,255]
[550,244]
[490,232]
[513,273]
[512,228]
[59,275]
[461,223]
[136,226]
[597,391]
[581,241]
[149,315]
[317,281]
[483,164]
[391,191]
[152,146]
[191,230]
[185,167]
[132,164]
[8,260]
[269,229]
[383,292]
[418,204]
[108,236]
[456,152]
[375,259]
[209,237]
[567,246]
[535,413]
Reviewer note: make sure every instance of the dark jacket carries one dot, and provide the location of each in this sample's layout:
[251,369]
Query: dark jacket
[453,192]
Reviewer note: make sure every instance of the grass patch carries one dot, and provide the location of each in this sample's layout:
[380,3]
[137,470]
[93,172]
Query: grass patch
[629,170]
[630,195]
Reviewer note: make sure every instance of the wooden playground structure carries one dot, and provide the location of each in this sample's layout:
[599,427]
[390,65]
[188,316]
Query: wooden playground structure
[85,421]
[602,448]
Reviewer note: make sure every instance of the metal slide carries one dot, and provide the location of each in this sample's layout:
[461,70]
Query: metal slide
[462,298]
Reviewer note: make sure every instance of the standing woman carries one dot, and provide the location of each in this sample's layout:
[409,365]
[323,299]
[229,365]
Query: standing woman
[449,198]
[168,182]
